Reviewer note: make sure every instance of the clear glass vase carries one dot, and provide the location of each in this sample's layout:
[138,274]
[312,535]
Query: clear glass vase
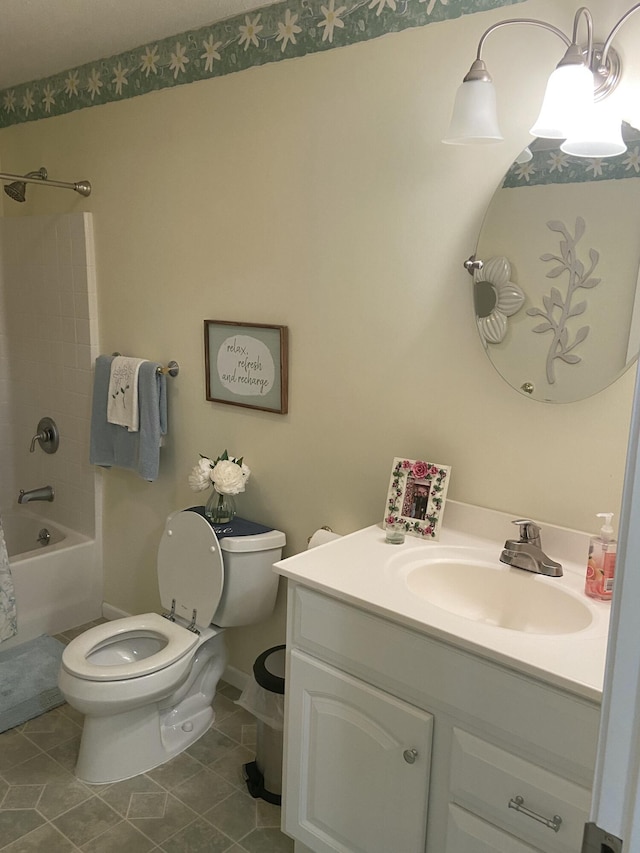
[220,509]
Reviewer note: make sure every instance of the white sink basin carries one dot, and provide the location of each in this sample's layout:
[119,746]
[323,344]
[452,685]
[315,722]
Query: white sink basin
[497,595]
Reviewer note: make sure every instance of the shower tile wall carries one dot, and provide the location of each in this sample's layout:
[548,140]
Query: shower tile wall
[48,343]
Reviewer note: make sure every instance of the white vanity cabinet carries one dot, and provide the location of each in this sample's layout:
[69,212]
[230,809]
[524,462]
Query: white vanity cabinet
[397,742]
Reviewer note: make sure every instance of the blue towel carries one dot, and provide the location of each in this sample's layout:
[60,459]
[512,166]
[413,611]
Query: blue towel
[114,445]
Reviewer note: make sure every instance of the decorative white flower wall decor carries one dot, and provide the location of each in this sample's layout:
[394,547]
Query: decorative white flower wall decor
[496,298]
[559,308]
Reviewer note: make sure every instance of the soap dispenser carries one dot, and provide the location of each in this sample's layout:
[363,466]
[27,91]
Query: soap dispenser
[601,564]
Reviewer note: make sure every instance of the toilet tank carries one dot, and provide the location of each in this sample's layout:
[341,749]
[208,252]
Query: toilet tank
[250,584]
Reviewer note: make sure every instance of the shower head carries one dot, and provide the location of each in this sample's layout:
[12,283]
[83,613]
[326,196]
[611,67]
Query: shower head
[18,186]
[17,190]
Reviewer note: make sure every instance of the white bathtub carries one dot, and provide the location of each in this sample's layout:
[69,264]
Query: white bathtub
[59,585]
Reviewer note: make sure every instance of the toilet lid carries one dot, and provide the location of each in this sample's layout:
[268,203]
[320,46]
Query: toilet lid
[190,567]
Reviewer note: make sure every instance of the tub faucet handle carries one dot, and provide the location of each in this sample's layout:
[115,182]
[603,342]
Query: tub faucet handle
[47,435]
[41,436]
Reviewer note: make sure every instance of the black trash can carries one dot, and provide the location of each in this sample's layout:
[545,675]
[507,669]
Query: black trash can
[264,698]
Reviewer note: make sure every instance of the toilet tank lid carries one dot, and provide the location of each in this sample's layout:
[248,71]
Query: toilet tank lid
[260,542]
[244,535]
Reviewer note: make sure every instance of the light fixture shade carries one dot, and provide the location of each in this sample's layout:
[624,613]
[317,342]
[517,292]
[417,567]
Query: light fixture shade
[600,135]
[475,118]
[567,99]
[525,156]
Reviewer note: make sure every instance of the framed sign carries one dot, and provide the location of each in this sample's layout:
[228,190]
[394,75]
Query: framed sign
[246,364]
[416,496]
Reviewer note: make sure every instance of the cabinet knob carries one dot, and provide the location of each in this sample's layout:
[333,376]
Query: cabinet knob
[410,755]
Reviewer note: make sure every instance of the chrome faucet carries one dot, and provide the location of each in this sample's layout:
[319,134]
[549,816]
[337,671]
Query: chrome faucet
[43,494]
[526,552]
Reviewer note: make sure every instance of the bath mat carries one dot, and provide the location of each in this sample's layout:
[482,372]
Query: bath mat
[29,681]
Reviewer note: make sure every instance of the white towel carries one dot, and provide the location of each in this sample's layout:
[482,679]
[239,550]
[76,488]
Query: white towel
[122,402]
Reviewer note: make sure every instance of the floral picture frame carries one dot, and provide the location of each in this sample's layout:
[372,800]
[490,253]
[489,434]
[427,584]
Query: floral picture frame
[417,495]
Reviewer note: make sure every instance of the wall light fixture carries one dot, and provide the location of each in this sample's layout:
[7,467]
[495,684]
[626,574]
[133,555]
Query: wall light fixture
[574,107]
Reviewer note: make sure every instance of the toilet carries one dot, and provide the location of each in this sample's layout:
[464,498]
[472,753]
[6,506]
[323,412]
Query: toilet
[146,683]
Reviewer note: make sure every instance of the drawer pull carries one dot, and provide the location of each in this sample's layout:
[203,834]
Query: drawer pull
[410,755]
[553,823]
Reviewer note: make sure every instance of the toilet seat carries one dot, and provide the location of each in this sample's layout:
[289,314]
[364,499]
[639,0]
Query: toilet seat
[178,642]
[191,581]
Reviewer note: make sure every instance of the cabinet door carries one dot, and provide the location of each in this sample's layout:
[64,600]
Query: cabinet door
[357,766]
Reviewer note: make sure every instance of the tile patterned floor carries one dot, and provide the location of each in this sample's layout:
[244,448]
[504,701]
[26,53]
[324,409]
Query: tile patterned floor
[195,803]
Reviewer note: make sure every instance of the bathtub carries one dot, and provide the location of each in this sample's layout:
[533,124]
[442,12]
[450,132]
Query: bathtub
[58,583]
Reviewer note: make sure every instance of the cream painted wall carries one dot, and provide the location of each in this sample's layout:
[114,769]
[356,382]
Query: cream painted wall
[316,193]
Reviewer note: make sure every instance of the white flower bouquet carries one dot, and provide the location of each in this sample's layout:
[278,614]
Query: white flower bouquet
[228,475]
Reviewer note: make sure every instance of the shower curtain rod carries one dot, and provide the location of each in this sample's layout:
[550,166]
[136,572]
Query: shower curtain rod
[82,187]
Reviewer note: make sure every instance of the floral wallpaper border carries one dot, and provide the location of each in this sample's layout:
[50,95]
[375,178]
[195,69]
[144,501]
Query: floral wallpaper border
[553,166]
[282,30]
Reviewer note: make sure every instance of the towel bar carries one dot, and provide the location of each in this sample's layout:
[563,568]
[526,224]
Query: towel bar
[172,369]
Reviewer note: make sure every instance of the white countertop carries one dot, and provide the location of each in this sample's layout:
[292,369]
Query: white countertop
[364,570]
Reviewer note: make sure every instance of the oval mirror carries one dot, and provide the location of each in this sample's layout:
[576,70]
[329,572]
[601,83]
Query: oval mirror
[556,298]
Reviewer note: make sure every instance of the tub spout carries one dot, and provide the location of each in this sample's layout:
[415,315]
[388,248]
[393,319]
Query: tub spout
[43,494]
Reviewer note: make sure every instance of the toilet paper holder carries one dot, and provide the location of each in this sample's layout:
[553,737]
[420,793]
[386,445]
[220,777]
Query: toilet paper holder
[324,527]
